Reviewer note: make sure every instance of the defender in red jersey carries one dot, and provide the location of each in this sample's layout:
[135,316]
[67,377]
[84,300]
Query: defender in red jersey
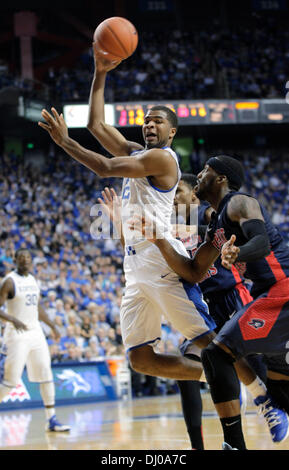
[240,218]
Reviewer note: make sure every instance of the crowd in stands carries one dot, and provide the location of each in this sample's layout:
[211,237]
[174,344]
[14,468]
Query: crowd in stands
[255,61]
[267,179]
[227,62]
[237,62]
[47,210]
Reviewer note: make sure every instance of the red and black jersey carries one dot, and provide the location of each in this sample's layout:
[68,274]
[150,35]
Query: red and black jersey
[264,272]
[218,278]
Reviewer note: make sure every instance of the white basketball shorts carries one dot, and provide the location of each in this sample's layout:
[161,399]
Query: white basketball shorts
[28,348]
[153,290]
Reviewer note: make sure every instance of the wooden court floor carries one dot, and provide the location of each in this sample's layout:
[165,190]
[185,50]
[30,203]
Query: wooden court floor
[140,424]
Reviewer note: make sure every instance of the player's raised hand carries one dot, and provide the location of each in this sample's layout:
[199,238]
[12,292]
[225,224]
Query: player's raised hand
[111,203]
[229,253]
[101,63]
[55,126]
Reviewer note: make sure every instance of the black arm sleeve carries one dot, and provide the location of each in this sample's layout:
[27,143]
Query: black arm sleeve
[258,245]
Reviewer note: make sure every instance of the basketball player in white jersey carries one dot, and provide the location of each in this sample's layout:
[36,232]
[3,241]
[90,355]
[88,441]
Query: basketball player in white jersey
[151,174]
[24,342]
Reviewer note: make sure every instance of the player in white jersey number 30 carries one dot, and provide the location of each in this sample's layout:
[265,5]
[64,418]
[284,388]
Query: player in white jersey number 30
[24,342]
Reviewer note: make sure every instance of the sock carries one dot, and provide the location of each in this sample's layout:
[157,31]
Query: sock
[47,392]
[257,388]
[232,430]
[49,412]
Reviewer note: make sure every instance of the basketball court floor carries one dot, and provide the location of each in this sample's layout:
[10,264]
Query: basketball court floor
[139,424]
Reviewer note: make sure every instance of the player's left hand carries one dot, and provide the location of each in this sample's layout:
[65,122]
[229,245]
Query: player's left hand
[229,253]
[55,126]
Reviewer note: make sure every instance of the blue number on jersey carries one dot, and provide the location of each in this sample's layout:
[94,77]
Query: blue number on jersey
[126,190]
[31,299]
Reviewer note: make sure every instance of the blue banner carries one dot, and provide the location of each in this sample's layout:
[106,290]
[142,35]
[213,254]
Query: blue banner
[82,382]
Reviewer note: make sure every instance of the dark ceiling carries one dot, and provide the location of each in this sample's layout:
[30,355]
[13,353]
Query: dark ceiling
[64,29]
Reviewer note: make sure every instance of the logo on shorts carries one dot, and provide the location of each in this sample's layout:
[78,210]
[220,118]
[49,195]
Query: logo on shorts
[256,323]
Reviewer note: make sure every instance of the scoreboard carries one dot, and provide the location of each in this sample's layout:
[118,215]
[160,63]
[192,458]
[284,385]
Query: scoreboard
[208,112]
[189,112]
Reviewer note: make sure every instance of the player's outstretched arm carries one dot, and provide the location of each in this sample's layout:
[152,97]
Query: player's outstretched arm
[6,291]
[108,136]
[192,270]
[153,162]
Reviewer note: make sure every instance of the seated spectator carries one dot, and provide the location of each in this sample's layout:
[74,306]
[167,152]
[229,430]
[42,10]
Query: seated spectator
[94,322]
[58,321]
[118,336]
[73,354]
[56,353]
[51,295]
[86,330]
[88,355]
[111,335]
[69,338]
[80,340]
[95,348]
[6,262]
[73,319]
[109,348]
[60,312]
[68,307]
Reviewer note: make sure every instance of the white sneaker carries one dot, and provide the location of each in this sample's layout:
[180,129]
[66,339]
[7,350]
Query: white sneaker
[277,419]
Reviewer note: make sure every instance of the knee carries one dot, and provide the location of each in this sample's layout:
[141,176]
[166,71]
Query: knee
[135,360]
[207,358]
[220,374]
[139,361]
[213,355]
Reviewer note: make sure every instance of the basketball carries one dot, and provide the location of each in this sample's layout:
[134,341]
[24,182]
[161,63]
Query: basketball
[116,38]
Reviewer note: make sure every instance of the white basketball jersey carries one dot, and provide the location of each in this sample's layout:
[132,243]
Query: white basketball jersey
[140,196]
[24,305]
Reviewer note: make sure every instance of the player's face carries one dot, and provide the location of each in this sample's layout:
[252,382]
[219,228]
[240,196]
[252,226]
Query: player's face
[24,261]
[184,194]
[157,129]
[206,179]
